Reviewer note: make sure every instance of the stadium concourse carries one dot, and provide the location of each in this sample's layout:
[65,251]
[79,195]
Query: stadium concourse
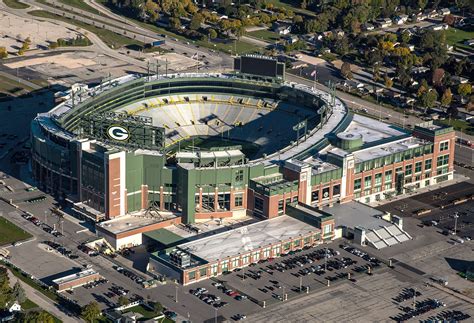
[139,154]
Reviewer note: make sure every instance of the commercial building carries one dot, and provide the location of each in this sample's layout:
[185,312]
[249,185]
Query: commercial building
[237,248]
[75,280]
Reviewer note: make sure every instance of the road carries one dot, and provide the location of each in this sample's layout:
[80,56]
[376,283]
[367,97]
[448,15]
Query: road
[130,30]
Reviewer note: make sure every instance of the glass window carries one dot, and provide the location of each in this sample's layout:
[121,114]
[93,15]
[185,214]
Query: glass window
[327,229]
[281,203]
[398,169]
[388,176]
[258,204]
[378,179]
[428,164]
[444,145]
[368,181]
[408,170]
[357,184]
[336,190]
[239,199]
[214,269]
[239,175]
[442,160]
[388,186]
[235,262]
[192,275]
[418,167]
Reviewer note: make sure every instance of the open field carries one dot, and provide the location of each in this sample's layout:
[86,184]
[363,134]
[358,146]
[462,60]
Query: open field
[112,39]
[265,34]
[15,4]
[457,37]
[80,4]
[10,233]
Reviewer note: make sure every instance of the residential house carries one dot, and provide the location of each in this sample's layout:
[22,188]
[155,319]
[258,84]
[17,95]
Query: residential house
[400,19]
[440,27]
[383,22]
[281,28]
[291,39]
[368,27]
[444,12]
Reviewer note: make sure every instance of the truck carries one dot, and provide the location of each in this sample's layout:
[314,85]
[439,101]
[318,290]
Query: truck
[157,43]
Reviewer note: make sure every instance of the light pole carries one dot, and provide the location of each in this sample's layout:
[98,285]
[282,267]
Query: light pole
[45,217]
[301,283]
[176,294]
[456,216]
[215,314]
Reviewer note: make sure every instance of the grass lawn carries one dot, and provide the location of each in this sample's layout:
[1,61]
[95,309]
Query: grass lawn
[28,305]
[15,4]
[459,125]
[456,37]
[265,34]
[10,233]
[293,5]
[110,38]
[80,4]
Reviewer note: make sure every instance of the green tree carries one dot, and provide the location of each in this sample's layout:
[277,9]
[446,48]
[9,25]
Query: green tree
[196,21]
[464,89]
[428,99]
[346,70]
[91,312]
[5,290]
[157,308]
[388,82]
[122,301]
[446,98]
[3,53]
[212,33]
[37,317]
[18,293]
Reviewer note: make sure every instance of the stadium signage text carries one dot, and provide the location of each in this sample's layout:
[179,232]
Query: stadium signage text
[118,133]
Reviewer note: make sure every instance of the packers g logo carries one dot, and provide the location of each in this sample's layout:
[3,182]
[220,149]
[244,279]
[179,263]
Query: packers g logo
[118,133]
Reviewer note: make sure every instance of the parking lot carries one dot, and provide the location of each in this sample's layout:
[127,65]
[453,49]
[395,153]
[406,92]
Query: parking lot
[370,299]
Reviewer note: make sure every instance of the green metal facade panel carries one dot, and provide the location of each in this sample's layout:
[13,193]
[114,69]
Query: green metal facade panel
[326,177]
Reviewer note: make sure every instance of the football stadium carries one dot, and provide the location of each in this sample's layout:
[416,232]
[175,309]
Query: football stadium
[141,153]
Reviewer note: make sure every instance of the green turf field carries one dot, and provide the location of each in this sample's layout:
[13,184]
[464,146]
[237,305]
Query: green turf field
[10,233]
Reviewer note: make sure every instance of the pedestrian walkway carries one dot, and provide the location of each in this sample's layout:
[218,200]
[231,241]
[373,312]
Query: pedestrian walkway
[458,178]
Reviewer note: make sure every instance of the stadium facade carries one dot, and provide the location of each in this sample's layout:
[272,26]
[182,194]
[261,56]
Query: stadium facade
[128,146]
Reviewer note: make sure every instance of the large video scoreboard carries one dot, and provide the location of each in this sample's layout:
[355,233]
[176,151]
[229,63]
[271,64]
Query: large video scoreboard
[259,65]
